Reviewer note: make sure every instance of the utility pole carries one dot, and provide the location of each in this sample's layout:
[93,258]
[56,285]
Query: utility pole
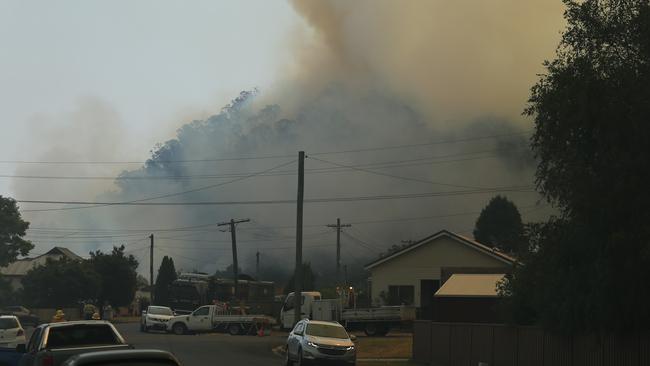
[338,227]
[257,265]
[297,276]
[151,269]
[233,238]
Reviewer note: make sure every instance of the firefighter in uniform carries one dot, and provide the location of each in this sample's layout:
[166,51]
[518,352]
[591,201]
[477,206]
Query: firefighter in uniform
[58,317]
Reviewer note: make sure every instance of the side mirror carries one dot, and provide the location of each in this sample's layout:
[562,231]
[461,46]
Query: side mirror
[353,337]
[144,312]
[21,348]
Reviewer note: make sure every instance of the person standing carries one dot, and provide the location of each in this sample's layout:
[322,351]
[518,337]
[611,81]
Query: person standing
[88,310]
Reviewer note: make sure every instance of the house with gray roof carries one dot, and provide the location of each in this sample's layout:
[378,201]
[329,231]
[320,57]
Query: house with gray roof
[15,271]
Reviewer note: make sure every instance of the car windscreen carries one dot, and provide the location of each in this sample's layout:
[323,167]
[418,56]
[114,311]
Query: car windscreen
[324,330]
[8,323]
[81,335]
[159,311]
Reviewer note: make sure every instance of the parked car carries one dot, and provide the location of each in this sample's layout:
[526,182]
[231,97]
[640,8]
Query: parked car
[25,315]
[312,341]
[148,357]
[52,344]
[11,332]
[155,317]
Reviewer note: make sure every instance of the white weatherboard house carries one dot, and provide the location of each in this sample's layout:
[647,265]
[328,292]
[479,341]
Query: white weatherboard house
[412,275]
[15,271]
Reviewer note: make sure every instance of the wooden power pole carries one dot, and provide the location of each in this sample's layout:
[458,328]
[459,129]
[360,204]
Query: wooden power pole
[151,291]
[297,277]
[338,227]
[233,238]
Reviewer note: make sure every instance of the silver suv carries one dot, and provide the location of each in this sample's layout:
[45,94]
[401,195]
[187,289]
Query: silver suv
[312,341]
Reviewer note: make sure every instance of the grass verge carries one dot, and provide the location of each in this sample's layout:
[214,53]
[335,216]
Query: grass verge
[391,346]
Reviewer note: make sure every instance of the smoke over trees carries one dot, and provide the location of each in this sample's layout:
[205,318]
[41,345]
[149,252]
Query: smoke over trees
[384,109]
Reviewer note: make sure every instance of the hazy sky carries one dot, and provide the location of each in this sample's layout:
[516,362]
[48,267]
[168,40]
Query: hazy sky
[152,65]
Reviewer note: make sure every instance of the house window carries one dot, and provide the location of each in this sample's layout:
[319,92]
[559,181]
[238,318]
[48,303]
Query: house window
[400,295]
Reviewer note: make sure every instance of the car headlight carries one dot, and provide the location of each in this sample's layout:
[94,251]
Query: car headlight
[350,348]
[312,344]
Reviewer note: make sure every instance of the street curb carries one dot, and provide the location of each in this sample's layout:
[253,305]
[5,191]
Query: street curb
[383,360]
[279,351]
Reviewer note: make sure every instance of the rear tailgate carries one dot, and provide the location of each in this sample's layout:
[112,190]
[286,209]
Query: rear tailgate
[9,357]
[56,357]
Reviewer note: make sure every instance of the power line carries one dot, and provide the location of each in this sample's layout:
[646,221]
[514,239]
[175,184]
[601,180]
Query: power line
[150,161]
[396,176]
[165,195]
[375,165]
[262,157]
[525,210]
[519,189]
[361,243]
[439,142]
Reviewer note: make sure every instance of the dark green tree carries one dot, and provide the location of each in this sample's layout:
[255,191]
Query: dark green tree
[499,225]
[308,280]
[117,273]
[7,294]
[12,230]
[166,275]
[588,269]
[60,283]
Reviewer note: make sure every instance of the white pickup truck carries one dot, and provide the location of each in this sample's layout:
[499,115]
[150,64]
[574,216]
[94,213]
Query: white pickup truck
[210,318]
[374,321]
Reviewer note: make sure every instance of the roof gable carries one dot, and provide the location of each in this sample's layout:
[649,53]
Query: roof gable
[24,265]
[456,238]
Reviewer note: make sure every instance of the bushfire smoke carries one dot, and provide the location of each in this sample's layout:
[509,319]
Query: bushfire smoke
[386,98]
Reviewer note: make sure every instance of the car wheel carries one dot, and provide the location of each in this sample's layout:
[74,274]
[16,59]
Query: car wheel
[179,329]
[234,329]
[287,359]
[371,329]
[300,362]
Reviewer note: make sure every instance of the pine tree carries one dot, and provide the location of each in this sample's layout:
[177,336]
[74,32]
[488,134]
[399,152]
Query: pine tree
[166,275]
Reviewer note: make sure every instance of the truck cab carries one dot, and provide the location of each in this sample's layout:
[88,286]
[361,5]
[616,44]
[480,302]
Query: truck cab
[287,314]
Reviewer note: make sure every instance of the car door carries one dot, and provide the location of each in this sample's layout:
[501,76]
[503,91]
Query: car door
[295,337]
[32,347]
[200,320]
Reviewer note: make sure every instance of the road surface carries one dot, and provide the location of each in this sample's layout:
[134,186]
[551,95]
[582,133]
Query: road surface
[208,349]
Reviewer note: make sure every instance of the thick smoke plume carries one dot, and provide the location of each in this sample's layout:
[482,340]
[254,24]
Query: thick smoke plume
[370,74]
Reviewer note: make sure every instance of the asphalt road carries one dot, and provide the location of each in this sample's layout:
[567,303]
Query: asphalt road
[208,349]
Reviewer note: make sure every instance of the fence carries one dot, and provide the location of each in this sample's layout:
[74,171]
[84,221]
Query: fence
[460,344]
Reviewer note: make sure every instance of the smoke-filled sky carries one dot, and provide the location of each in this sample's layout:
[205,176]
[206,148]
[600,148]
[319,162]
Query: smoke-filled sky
[114,80]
